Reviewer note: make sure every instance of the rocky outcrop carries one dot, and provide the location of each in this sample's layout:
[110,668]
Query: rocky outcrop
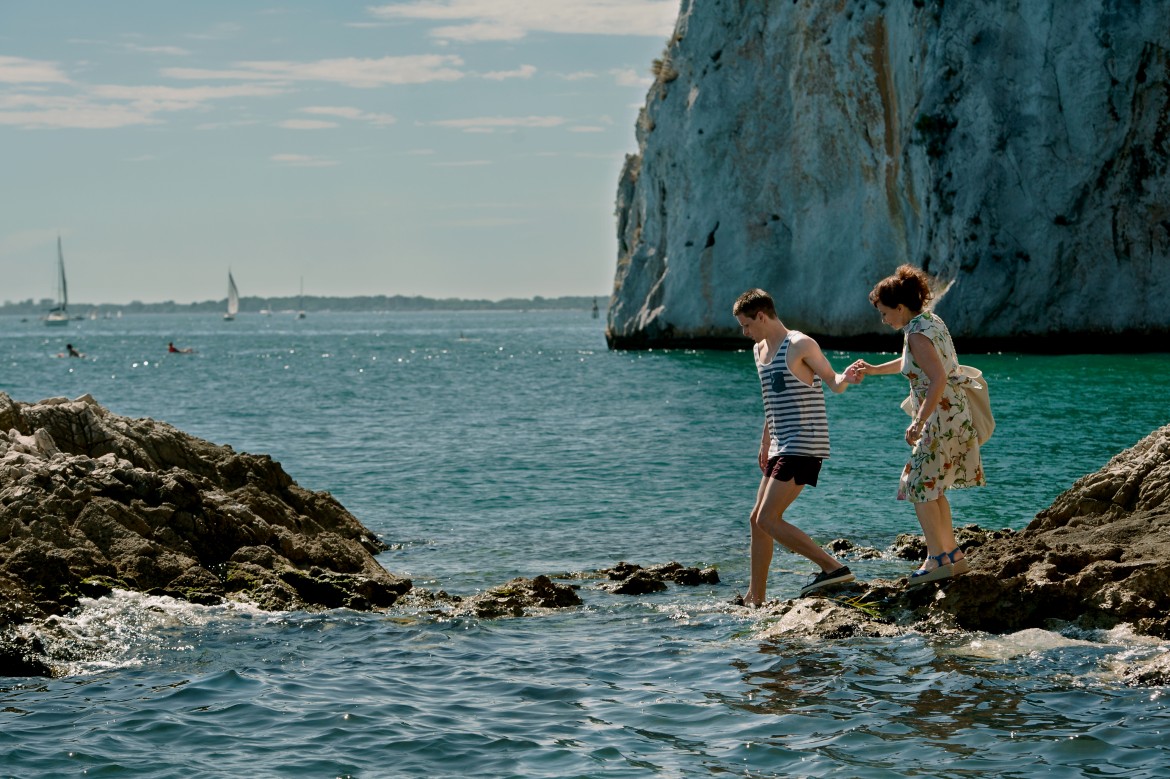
[91,501]
[1098,557]
[1017,151]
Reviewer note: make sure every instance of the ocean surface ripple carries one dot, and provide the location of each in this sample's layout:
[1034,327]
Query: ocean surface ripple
[484,446]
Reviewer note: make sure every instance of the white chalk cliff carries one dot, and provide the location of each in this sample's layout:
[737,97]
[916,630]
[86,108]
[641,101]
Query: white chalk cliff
[1016,150]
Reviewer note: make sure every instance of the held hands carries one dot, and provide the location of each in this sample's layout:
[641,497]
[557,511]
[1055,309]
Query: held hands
[856,372]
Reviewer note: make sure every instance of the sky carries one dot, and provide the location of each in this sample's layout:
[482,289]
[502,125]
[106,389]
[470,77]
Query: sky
[444,148]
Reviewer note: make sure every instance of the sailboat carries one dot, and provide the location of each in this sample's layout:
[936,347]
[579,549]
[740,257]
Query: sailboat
[301,309]
[60,314]
[233,303]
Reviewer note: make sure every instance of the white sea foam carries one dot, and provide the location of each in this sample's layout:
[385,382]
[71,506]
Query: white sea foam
[1120,646]
[124,628]
[1024,642]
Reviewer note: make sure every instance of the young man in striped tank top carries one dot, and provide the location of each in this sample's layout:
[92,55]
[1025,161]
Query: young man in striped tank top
[792,369]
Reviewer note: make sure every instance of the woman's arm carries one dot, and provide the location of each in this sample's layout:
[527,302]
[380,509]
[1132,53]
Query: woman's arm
[928,360]
[863,368]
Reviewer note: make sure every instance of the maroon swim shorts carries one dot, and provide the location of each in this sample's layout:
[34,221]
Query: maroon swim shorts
[794,467]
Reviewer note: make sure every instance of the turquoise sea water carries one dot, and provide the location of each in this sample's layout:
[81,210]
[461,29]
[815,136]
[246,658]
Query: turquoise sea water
[484,446]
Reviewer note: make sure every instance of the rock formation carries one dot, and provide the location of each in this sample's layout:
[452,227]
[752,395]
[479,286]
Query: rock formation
[1016,151]
[90,500]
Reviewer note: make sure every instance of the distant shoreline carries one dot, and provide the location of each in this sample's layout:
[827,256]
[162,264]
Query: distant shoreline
[309,304]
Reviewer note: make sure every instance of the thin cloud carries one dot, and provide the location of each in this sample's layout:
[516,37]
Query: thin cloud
[490,123]
[18,70]
[227,125]
[306,124]
[110,106]
[173,51]
[628,77]
[180,98]
[524,71]
[302,161]
[220,32]
[463,164]
[350,71]
[354,114]
[497,20]
[52,112]
[473,33]
[486,221]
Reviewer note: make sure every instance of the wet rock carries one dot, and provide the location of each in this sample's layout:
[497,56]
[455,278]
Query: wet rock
[517,596]
[22,655]
[421,599]
[90,501]
[830,616]
[636,580]
[844,548]
[640,582]
[908,546]
[621,571]
[1154,672]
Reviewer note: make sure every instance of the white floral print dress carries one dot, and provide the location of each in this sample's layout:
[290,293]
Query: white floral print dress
[947,454]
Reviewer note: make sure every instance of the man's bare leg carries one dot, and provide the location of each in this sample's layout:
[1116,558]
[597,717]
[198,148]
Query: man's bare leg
[768,523]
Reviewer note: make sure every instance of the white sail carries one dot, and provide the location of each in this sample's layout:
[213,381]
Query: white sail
[60,314]
[233,301]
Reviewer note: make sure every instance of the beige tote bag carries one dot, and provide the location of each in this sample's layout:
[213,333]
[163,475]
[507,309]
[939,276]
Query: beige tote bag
[978,401]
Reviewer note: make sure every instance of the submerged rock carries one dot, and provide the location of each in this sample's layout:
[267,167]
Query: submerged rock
[91,501]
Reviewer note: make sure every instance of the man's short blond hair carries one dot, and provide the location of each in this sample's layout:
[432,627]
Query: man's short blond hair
[751,303]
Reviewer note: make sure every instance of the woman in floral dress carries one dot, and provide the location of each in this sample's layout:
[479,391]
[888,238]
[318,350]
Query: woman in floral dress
[944,450]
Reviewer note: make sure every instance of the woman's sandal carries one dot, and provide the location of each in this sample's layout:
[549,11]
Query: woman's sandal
[924,575]
[942,571]
[960,566]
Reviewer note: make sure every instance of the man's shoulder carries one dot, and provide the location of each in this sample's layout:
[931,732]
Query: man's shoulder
[802,342]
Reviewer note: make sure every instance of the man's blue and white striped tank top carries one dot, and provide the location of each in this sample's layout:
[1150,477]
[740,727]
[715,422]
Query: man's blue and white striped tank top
[795,411]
